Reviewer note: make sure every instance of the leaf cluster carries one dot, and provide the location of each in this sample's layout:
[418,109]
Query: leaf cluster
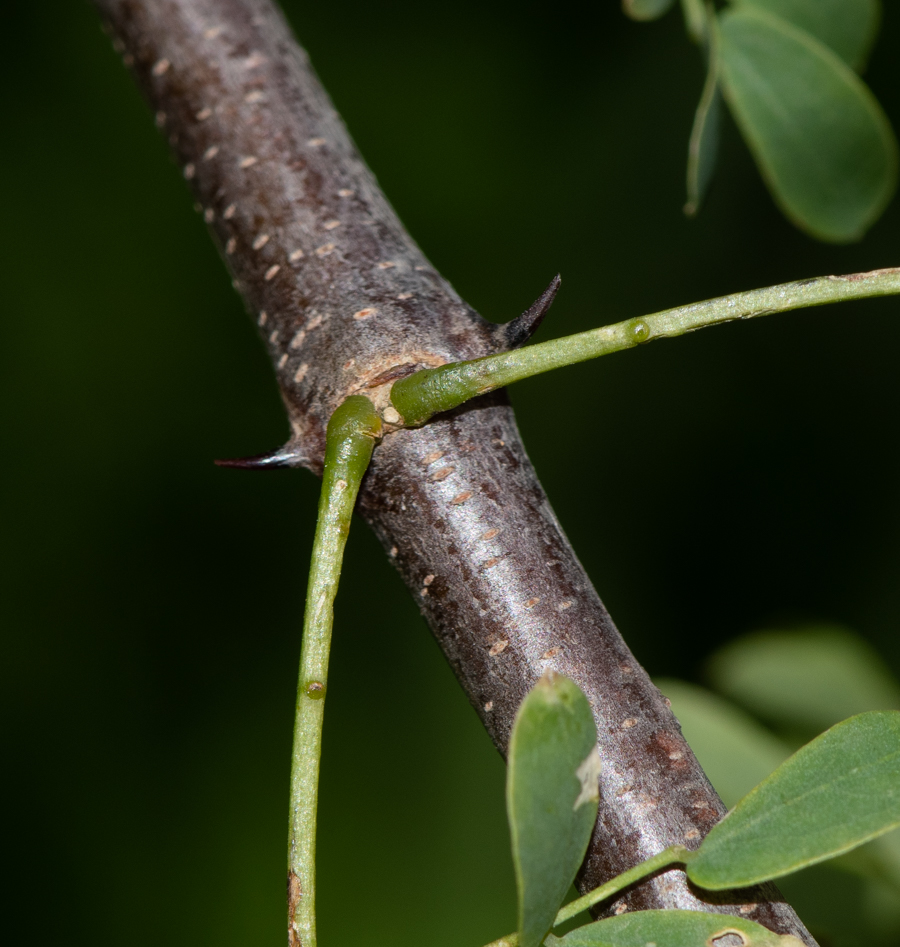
[789,72]
[834,794]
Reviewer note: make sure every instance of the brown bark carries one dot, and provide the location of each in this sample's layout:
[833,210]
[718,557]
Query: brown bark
[347,303]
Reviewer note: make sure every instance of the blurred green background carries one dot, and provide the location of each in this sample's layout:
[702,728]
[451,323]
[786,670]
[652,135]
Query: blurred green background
[151,602]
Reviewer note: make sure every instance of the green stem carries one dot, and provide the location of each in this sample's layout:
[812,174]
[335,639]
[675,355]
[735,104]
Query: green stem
[432,390]
[675,855]
[351,435]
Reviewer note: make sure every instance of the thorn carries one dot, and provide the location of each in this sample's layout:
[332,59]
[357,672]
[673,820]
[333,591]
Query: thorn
[519,330]
[288,456]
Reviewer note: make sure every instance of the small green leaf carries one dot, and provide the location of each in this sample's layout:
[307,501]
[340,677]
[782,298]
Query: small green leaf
[674,928]
[847,27]
[808,679]
[551,798]
[646,9]
[704,142]
[734,750]
[833,794]
[820,139]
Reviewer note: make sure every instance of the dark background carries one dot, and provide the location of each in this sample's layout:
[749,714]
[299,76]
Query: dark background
[151,603]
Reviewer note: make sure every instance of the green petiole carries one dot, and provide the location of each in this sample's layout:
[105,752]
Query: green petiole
[433,390]
[352,432]
[674,855]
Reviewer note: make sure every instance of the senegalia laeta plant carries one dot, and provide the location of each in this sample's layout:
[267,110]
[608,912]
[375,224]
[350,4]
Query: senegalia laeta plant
[806,57]
[772,832]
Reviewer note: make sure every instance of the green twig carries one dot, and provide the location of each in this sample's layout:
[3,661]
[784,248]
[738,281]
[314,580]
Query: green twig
[352,431]
[432,390]
[675,855]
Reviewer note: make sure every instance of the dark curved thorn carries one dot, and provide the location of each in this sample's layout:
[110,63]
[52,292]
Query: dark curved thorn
[287,456]
[519,330]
